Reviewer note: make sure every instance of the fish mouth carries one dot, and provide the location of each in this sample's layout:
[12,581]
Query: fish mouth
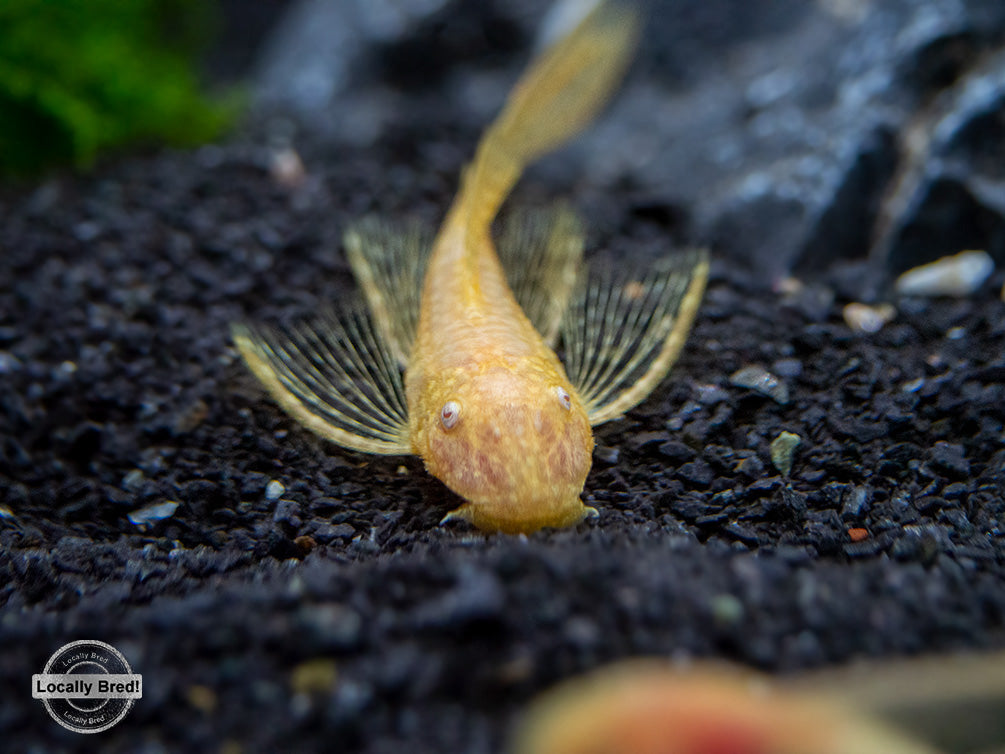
[490,516]
[519,480]
[517,453]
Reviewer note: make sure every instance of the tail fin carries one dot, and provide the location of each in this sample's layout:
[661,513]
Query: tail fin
[555,99]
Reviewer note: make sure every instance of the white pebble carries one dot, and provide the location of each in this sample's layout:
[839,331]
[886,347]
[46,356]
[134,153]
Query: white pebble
[151,513]
[274,489]
[286,168]
[866,318]
[958,275]
[762,381]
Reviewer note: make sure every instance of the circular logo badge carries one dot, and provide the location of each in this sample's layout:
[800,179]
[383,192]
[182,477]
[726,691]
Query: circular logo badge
[87,686]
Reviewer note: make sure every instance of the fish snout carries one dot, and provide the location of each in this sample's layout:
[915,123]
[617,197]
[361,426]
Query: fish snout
[520,467]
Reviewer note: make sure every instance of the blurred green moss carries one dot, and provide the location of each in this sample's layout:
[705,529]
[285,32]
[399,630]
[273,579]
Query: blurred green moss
[79,77]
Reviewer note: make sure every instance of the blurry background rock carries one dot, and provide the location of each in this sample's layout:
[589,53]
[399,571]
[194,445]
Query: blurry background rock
[79,77]
[789,134]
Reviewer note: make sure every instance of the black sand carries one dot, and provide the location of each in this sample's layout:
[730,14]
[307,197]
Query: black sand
[119,389]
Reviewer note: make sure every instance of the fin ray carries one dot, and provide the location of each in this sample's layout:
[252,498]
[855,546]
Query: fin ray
[622,334]
[336,375]
[389,262]
[541,252]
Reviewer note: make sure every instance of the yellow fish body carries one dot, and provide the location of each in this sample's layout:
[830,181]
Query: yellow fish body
[485,401]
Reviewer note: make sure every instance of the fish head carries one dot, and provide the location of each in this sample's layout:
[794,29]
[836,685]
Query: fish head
[514,441]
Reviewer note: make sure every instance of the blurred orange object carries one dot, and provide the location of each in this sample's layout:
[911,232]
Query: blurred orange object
[655,707]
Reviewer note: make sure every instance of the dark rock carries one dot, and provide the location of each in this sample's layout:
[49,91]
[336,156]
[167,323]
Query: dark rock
[742,533]
[922,543]
[343,714]
[956,491]
[287,513]
[950,458]
[477,597]
[326,533]
[330,628]
[746,121]
[697,473]
[84,443]
[676,452]
[767,484]
[856,502]
[690,506]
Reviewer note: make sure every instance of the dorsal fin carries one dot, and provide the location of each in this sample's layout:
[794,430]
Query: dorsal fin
[541,250]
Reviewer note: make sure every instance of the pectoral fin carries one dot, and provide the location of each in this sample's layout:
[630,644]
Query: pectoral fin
[622,331]
[336,376]
[542,252]
[389,262]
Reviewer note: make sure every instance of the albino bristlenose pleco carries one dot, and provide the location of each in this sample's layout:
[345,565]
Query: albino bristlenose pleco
[452,358]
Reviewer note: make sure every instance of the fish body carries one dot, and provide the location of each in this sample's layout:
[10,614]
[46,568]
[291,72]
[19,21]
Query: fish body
[485,400]
[517,446]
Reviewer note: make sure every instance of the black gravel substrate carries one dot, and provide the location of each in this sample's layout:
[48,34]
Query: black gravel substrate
[119,390]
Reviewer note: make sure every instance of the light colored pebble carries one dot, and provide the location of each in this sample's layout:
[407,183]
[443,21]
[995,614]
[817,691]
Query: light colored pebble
[286,168]
[788,286]
[274,490]
[782,449]
[203,698]
[761,380]
[150,514]
[727,610]
[958,275]
[132,481]
[315,676]
[8,362]
[866,318]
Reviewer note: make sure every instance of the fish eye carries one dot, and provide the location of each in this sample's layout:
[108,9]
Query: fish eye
[449,414]
[564,398]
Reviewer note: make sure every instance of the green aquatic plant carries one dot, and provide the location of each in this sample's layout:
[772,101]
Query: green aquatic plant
[80,77]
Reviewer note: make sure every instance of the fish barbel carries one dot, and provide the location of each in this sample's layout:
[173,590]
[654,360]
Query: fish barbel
[484,400]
